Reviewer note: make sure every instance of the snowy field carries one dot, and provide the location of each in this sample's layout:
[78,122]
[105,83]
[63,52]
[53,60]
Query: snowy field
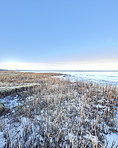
[61,112]
[94,76]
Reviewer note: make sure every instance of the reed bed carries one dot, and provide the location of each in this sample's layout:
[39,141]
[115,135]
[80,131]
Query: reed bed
[57,112]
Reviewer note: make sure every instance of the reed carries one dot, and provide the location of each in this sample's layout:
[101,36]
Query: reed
[57,112]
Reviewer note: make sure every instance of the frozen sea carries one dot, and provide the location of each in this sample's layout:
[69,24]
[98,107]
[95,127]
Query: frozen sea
[95,76]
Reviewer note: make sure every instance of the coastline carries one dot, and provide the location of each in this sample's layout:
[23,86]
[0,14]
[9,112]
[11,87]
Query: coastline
[57,112]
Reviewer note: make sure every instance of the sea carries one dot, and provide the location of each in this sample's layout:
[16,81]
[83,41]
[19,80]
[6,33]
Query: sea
[102,77]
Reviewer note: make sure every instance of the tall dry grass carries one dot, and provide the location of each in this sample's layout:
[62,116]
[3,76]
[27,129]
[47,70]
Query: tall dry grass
[59,113]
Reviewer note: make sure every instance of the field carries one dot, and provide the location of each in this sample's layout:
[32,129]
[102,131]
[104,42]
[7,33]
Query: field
[39,110]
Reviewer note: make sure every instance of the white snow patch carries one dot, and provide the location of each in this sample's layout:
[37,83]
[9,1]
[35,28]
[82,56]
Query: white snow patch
[112,138]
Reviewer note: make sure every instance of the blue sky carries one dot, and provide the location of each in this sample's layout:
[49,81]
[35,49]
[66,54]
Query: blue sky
[59,32]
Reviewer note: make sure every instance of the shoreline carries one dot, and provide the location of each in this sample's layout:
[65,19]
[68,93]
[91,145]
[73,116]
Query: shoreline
[58,112]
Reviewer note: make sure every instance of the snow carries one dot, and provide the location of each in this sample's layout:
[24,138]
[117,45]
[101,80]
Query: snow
[96,76]
[10,102]
[2,140]
[17,128]
[111,138]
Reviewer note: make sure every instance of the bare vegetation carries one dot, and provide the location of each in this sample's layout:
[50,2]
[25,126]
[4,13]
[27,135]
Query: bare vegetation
[57,112]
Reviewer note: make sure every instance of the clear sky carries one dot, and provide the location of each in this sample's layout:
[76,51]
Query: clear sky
[59,34]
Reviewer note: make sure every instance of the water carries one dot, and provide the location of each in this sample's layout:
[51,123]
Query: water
[95,76]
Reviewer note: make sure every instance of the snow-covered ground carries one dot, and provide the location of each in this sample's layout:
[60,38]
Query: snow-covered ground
[67,110]
[95,76]
[101,77]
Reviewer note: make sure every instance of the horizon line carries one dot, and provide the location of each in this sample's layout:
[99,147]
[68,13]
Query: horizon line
[61,70]
[54,70]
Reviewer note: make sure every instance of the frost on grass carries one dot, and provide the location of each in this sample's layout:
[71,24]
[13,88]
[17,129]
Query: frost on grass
[60,113]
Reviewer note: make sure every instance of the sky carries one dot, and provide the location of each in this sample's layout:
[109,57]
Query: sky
[59,34]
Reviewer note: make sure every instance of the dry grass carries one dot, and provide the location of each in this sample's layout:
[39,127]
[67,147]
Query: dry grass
[58,113]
